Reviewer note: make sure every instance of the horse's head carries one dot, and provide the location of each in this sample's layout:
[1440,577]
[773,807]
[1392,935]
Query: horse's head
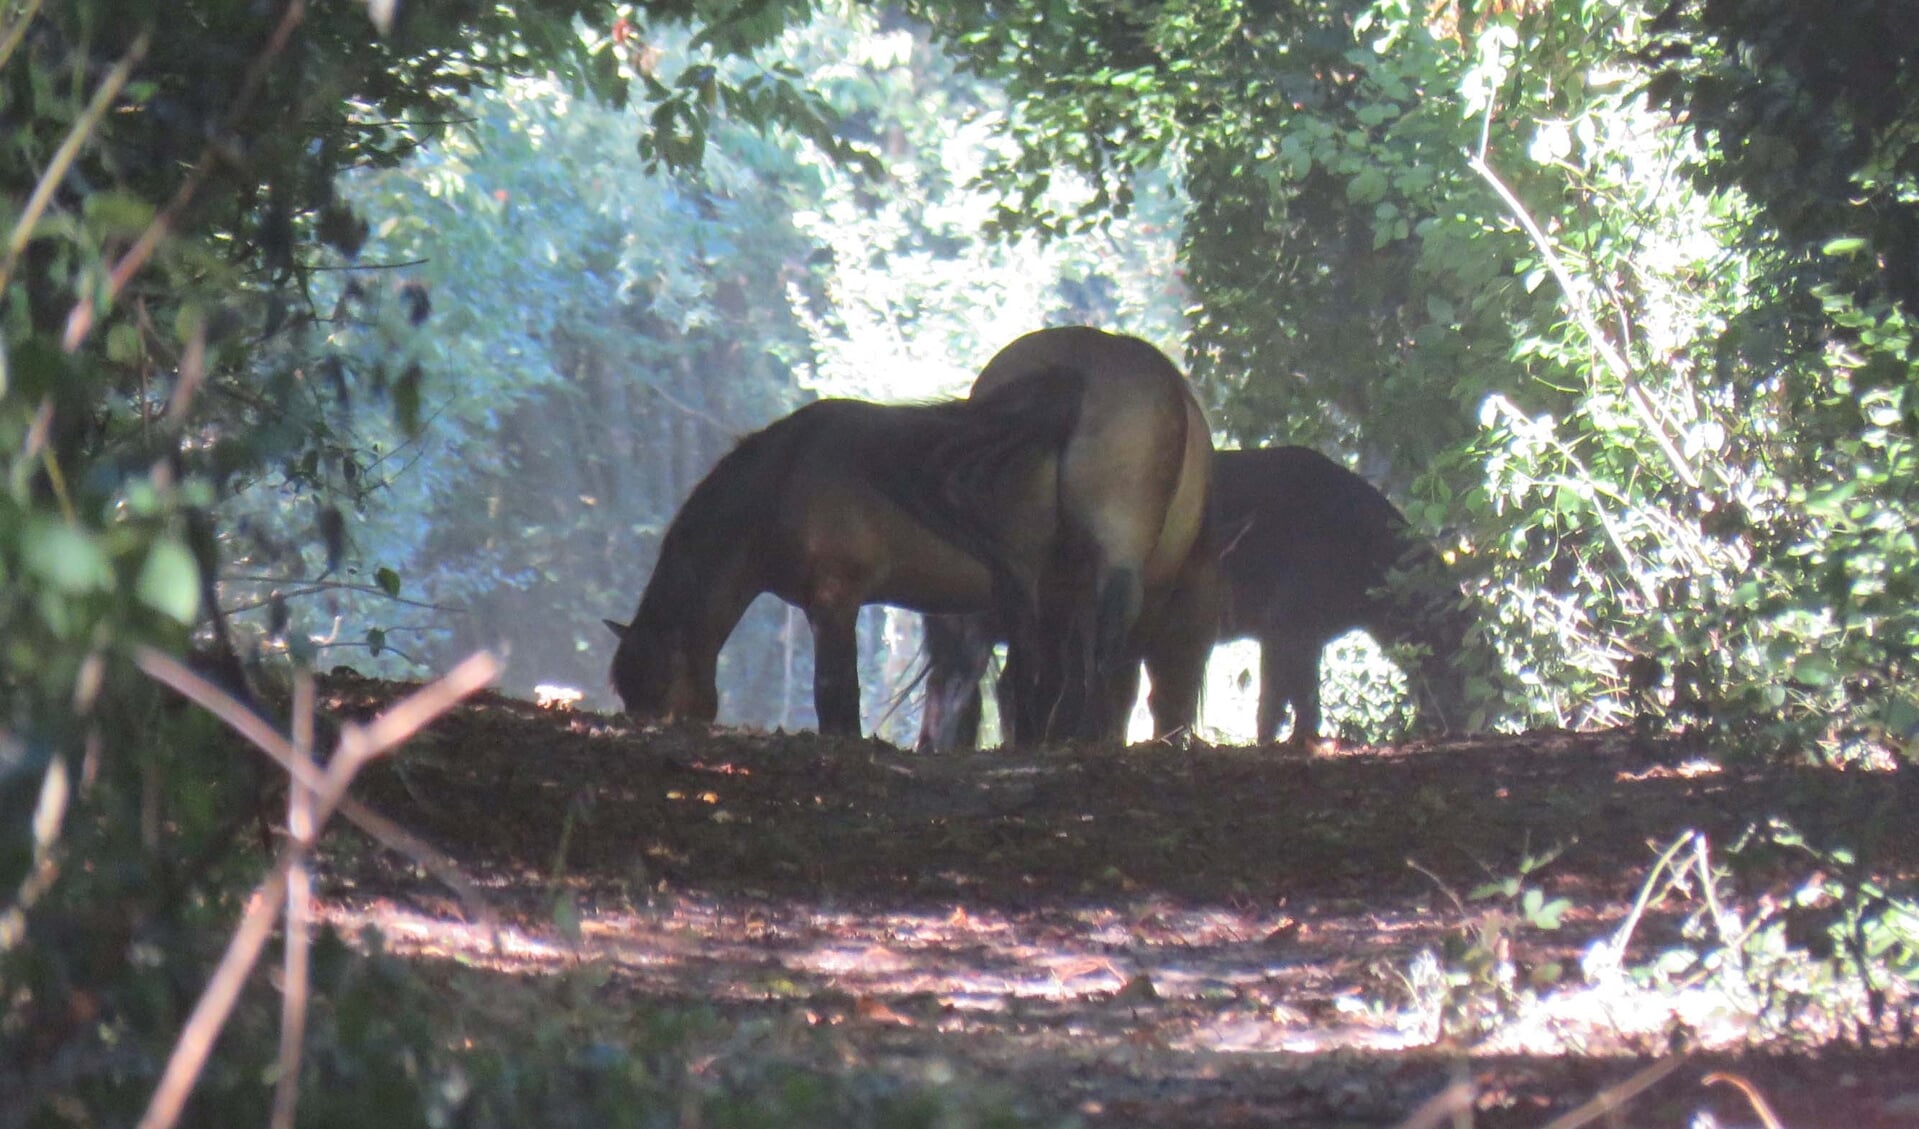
[656,679]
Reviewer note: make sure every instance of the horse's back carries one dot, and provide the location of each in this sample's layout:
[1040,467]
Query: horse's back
[1308,541]
[1134,475]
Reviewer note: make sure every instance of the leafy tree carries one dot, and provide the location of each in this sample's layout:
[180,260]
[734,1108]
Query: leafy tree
[1456,243]
[171,338]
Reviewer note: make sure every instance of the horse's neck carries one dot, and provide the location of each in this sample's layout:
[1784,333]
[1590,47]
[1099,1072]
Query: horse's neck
[712,585]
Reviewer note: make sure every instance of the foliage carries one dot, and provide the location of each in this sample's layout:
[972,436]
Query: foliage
[398,1042]
[611,332]
[1829,954]
[1650,382]
[1808,115]
[1459,244]
[1482,974]
[174,337]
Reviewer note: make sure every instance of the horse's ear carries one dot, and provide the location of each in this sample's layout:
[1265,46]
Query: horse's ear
[618,629]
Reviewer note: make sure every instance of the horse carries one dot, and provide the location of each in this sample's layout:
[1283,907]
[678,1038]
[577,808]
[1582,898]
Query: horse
[1307,548]
[840,504]
[1137,474]
[962,506]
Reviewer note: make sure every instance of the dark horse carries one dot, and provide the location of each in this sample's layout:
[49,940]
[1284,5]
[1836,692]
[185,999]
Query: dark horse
[963,506]
[1308,549]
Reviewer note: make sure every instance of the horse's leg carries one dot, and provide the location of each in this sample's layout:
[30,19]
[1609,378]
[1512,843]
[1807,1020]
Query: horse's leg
[1272,699]
[1023,699]
[1289,672]
[836,674]
[1121,594]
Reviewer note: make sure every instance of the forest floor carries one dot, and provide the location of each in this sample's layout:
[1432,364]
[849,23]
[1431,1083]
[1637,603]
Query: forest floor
[1151,936]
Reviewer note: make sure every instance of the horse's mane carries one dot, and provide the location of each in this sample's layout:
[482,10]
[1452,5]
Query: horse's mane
[733,499]
[952,476]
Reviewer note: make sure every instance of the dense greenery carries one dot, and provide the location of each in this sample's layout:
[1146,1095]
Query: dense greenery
[1613,296]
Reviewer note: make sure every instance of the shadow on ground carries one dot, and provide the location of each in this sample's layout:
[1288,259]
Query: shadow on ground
[1147,936]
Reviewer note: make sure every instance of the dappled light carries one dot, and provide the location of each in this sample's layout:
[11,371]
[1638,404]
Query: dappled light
[1156,912]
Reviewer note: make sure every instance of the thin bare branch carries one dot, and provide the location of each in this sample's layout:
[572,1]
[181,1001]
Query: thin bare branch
[169,671]
[193,370]
[300,833]
[358,744]
[1582,312]
[17,30]
[1614,1098]
[414,712]
[216,1002]
[309,588]
[1443,1107]
[1760,1107]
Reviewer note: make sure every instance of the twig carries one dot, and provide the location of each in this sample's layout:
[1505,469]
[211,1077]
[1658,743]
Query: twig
[69,149]
[37,444]
[300,831]
[216,1002]
[1757,1100]
[170,672]
[713,421]
[193,370]
[358,744]
[1615,1098]
[313,587]
[17,30]
[1623,935]
[358,266]
[412,713]
[1437,881]
[1446,1105]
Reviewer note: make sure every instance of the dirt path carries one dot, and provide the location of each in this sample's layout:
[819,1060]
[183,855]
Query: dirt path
[1148,936]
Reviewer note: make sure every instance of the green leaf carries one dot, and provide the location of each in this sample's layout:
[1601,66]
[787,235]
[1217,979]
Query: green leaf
[375,641]
[388,580]
[1847,245]
[69,559]
[118,213]
[1368,187]
[170,581]
[123,344]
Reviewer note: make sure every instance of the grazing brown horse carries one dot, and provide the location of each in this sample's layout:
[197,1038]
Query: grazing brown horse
[969,505]
[1308,546]
[841,504]
[1135,473]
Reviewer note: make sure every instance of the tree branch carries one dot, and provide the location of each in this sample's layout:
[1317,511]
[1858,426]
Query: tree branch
[1582,313]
